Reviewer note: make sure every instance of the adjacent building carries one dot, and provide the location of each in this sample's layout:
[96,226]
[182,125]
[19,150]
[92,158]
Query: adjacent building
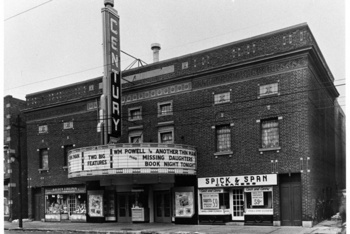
[14,142]
[246,132]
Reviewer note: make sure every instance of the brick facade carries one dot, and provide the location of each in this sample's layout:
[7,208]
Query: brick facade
[12,109]
[303,106]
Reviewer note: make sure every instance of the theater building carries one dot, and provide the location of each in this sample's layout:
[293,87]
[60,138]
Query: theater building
[243,132]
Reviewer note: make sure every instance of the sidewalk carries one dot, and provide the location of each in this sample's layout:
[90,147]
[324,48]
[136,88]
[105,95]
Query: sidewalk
[328,226]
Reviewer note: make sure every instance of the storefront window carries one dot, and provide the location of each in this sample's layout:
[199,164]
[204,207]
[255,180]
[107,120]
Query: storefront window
[224,200]
[77,204]
[56,204]
[6,207]
[66,204]
[214,201]
[258,200]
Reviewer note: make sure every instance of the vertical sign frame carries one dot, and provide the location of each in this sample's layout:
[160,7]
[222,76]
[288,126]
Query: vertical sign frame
[111,97]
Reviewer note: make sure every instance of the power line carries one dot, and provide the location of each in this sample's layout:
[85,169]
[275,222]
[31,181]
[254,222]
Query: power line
[27,10]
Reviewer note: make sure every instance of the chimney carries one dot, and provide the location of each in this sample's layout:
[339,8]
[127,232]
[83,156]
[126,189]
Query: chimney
[156,48]
[109,3]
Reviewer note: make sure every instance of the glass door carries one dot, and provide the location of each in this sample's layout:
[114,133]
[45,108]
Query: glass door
[71,204]
[124,203]
[162,201]
[237,204]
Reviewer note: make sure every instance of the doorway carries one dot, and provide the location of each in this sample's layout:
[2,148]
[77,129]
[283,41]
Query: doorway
[37,206]
[162,201]
[290,189]
[124,202]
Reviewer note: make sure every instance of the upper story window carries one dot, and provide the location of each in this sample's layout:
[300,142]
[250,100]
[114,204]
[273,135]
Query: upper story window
[92,105]
[166,135]
[270,133]
[223,138]
[135,113]
[165,108]
[135,136]
[91,87]
[222,98]
[43,129]
[44,159]
[68,125]
[269,89]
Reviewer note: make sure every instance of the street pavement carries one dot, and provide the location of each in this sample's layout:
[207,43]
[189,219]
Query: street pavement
[328,226]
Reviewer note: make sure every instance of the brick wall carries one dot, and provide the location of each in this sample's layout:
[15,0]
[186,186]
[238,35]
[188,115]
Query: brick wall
[302,107]
[12,109]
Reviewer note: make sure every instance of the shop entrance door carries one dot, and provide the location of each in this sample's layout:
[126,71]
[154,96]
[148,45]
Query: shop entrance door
[291,201]
[162,207]
[71,204]
[37,204]
[237,204]
[124,203]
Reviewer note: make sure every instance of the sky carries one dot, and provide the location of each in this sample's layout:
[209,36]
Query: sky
[51,43]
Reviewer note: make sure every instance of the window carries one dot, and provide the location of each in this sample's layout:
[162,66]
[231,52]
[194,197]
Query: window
[92,105]
[68,125]
[44,159]
[258,198]
[135,137]
[43,129]
[91,87]
[214,201]
[66,148]
[269,89]
[223,138]
[166,135]
[222,98]
[270,133]
[135,113]
[165,108]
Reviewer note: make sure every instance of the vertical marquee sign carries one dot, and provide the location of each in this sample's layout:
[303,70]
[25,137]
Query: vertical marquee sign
[111,98]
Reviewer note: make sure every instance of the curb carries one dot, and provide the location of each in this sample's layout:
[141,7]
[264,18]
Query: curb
[100,232]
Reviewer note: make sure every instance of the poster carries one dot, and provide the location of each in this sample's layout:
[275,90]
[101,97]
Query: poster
[257,198]
[210,201]
[184,204]
[96,205]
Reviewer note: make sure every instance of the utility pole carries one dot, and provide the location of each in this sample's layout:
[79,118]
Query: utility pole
[19,160]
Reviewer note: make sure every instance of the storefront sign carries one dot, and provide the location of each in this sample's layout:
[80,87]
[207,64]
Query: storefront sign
[210,201]
[232,181]
[259,212]
[263,189]
[211,190]
[112,81]
[95,203]
[214,211]
[65,190]
[126,156]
